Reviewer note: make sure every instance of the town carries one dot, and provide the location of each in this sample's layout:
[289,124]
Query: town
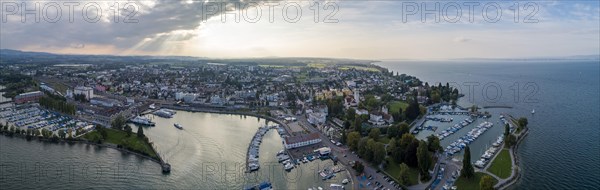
[358,114]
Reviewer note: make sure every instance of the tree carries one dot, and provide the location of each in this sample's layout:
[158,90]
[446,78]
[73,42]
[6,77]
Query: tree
[410,156]
[522,123]
[140,132]
[363,149]
[347,124]
[506,130]
[393,131]
[352,140]
[413,110]
[433,143]
[486,183]
[61,133]
[510,140]
[424,159]
[404,128]
[374,134]
[350,114]
[344,137]
[118,122]
[128,130]
[359,167]
[467,169]
[358,124]
[404,174]
[378,153]
[391,145]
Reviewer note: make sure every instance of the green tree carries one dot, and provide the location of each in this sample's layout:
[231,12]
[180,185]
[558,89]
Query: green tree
[350,114]
[404,174]
[510,141]
[393,131]
[61,133]
[391,145]
[433,143]
[486,183]
[344,137]
[404,128]
[363,148]
[128,130]
[358,124]
[413,110]
[140,132]
[118,122]
[522,123]
[359,167]
[352,140]
[467,169]
[374,134]
[506,130]
[424,159]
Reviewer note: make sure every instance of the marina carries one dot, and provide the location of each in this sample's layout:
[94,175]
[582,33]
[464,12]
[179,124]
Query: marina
[464,141]
[32,117]
[252,162]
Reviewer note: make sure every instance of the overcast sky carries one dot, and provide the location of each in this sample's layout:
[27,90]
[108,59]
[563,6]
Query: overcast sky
[345,29]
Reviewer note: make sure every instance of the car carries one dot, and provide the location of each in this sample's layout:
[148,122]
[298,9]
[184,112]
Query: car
[369,184]
[345,155]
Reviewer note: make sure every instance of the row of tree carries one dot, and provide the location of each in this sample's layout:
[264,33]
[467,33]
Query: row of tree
[57,105]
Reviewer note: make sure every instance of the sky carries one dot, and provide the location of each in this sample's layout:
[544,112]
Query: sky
[338,29]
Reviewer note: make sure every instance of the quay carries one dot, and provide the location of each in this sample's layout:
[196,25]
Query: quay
[252,163]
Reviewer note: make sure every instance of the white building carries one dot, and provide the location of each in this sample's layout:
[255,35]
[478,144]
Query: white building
[301,140]
[87,91]
[317,118]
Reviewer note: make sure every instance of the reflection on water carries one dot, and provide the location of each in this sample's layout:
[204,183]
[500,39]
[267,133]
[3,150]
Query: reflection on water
[208,154]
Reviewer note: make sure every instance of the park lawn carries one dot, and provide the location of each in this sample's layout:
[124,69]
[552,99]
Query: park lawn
[394,169]
[120,138]
[502,165]
[396,105]
[473,183]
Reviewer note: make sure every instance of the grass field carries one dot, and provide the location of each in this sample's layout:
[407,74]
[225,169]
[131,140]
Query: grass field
[502,165]
[394,169]
[473,183]
[120,138]
[395,105]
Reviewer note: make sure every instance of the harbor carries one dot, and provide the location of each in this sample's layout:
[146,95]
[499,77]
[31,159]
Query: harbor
[252,161]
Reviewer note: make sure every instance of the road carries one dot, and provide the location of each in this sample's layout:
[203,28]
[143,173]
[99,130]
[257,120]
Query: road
[344,155]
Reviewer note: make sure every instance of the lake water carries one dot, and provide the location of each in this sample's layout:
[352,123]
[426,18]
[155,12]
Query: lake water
[209,153]
[562,150]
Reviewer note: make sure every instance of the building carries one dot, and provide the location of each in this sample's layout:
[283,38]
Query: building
[105,102]
[317,118]
[28,97]
[88,92]
[301,140]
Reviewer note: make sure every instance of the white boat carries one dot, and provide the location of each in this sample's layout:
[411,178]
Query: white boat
[163,113]
[533,111]
[142,121]
[152,106]
[178,126]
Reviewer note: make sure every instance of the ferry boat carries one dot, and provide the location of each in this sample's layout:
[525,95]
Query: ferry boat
[142,121]
[163,113]
[178,126]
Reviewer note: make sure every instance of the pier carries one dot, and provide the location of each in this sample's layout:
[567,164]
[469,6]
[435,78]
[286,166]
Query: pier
[252,155]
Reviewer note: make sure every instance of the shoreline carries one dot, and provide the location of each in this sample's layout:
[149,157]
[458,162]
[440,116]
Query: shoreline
[517,170]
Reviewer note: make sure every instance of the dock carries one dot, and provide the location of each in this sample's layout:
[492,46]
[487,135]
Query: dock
[252,163]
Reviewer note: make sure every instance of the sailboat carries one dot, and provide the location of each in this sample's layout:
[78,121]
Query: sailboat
[533,111]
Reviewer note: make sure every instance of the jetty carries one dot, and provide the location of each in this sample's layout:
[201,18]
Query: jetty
[252,155]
